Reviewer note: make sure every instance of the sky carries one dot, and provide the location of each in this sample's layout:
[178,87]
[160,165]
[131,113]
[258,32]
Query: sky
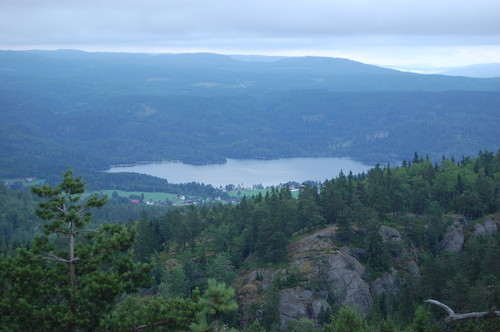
[440,33]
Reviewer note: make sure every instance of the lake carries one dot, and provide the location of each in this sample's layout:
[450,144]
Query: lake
[248,172]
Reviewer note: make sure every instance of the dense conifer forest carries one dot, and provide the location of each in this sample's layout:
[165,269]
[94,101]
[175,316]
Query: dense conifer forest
[188,268]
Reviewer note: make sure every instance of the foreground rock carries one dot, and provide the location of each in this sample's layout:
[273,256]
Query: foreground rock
[319,273]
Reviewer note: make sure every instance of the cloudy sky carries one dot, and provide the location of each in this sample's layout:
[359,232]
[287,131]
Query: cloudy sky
[386,32]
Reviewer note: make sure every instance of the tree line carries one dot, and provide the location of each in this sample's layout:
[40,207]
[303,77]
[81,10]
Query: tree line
[176,255]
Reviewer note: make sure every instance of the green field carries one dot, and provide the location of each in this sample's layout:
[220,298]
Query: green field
[246,192]
[154,196]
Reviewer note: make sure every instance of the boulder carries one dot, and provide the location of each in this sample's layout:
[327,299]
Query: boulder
[389,234]
[489,227]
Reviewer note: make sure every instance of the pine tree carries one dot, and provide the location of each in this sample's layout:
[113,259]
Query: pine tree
[218,299]
[70,277]
[347,320]
[376,254]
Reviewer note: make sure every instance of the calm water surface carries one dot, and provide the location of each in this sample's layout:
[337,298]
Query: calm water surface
[247,172]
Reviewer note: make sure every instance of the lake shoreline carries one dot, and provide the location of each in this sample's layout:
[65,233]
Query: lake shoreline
[202,163]
[250,172]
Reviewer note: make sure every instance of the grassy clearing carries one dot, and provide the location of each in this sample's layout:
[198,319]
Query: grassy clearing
[154,196]
[246,192]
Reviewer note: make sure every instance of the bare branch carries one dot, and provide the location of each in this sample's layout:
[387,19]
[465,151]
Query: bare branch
[83,209]
[59,259]
[56,258]
[134,328]
[63,211]
[453,317]
[441,305]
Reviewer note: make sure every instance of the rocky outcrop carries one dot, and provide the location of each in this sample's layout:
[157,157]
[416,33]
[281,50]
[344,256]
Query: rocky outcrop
[346,278]
[386,283]
[264,278]
[251,292]
[299,302]
[316,257]
[489,227]
[453,239]
[390,234]
[413,269]
[319,271]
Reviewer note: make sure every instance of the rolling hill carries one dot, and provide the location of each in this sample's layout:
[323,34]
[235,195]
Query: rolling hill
[91,110]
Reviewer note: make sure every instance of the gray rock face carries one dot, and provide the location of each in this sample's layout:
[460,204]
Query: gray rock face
[345,276]
[317,258]
[389,234]
[251,289]
[414,270]
[453,239]
[386,283]
[263,277]
[489,227]
[298,302]
[314,260]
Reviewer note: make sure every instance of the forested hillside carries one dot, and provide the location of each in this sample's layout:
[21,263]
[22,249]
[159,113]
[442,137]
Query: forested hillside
[91,110]
[379,243]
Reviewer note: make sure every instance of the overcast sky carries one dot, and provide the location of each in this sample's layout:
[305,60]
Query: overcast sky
[386,32]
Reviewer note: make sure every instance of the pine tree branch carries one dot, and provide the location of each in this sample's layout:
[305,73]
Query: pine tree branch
[453,317]
[62,210]
[86,231]
[56,258]
[59,259]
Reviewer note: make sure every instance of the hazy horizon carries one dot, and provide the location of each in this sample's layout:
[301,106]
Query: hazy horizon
[391,33]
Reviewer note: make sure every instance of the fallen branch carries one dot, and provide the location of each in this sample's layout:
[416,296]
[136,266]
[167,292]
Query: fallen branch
[453,317]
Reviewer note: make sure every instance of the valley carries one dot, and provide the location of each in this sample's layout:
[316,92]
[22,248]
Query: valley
[304,245]
[93,110]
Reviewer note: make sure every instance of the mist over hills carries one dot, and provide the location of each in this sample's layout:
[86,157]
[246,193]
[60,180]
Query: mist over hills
[481,70]
[91,110]
[484,70]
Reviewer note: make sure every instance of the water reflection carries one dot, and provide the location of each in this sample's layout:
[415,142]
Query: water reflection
[248,172]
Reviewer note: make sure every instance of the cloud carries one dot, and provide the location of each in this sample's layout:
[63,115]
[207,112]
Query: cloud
[257,24]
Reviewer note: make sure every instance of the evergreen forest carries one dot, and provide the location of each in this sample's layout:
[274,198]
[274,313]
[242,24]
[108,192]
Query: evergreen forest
[353,253]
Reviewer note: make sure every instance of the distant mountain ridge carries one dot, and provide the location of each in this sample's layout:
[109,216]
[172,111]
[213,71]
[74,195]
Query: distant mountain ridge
[334,74]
